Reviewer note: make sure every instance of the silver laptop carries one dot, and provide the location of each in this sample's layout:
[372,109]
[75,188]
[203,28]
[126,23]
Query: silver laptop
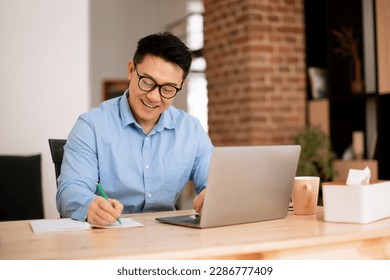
[245,184]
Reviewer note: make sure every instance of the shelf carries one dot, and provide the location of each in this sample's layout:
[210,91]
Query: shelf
[344,112]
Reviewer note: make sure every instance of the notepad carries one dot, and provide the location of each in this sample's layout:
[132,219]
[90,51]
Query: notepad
[67,224]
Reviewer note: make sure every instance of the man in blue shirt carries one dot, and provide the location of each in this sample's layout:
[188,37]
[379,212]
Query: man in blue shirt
[139,147]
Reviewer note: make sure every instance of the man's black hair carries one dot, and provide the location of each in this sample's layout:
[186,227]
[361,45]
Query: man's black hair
[166,46]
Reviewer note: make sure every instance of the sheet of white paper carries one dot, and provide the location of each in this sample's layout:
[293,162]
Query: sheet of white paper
[126,223]
[358,177]
[57,225]
[66,224]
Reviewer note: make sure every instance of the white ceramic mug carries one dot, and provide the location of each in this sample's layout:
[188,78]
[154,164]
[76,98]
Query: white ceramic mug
[305,195]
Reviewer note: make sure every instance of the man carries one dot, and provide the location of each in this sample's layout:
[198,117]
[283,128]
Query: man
[138,147]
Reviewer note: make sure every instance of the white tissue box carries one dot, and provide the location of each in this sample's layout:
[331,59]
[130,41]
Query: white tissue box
[356,204]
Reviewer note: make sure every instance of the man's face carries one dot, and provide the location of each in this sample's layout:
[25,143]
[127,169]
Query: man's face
[148,106]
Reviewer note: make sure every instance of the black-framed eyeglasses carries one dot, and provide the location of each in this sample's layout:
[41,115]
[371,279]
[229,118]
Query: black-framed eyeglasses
[146,84]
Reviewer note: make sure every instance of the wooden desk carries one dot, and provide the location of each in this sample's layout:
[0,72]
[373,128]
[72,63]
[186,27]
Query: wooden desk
[296,237]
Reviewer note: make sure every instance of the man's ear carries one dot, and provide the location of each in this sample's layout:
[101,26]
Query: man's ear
[130,69]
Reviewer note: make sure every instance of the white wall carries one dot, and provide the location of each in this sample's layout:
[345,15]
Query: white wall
[116,27]
[54,56]
[43,78]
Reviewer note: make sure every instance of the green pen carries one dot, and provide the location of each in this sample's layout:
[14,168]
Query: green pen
[100,188]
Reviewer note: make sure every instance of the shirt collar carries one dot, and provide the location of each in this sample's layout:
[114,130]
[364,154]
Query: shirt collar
[166,120]
[126,115]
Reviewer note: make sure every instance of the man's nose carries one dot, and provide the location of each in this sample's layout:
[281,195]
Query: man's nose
[154,94]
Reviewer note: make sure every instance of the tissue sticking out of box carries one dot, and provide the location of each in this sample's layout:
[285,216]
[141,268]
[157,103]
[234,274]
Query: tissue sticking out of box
[357,177]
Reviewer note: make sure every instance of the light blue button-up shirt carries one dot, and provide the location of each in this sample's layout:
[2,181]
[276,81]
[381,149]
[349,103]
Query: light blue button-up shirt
[144,172]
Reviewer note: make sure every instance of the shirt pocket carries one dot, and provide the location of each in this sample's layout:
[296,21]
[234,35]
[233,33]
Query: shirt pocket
[177,173]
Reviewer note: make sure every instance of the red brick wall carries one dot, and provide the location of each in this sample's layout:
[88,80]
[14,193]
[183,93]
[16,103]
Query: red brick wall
[255,55]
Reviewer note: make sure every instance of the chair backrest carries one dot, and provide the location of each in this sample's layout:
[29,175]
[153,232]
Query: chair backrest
[57,153]
[20,188]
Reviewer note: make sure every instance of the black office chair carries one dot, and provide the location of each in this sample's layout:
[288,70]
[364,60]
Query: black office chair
[57,153]
[20,188]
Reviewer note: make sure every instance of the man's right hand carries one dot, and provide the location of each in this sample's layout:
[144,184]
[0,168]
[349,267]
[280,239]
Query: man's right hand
[102,212]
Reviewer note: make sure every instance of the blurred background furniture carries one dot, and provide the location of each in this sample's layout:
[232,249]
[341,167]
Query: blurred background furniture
[20,188]
[342,168]
[57,153]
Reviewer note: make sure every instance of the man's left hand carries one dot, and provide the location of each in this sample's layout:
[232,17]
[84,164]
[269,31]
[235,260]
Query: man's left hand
[198,201]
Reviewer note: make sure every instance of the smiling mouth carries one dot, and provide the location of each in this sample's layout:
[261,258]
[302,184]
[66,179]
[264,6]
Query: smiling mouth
[148,105]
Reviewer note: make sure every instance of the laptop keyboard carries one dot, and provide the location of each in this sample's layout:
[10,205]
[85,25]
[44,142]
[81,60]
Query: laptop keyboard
[192,220]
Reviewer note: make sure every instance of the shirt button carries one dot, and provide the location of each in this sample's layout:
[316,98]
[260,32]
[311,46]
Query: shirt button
[147,166]
[149,195]
[147,139]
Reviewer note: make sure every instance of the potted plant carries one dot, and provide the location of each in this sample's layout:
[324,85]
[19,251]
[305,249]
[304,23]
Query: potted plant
[316,154]
[316,157]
